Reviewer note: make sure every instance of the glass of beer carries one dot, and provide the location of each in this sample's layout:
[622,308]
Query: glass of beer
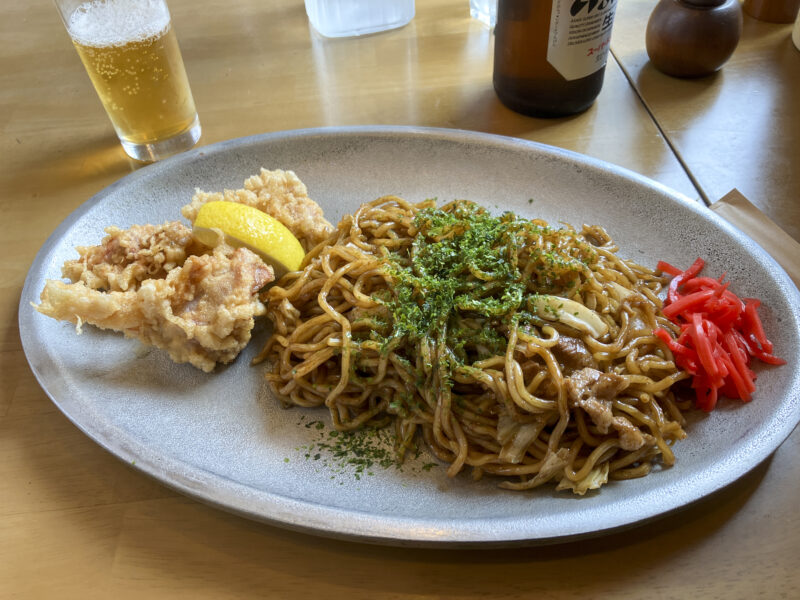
[131,54]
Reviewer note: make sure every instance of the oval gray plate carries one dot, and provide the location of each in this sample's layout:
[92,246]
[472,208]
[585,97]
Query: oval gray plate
[222,438]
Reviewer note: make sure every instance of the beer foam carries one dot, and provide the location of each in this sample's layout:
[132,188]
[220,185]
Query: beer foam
[117,22]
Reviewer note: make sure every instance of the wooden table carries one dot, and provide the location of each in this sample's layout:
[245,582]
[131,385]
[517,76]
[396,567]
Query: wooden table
[77,523]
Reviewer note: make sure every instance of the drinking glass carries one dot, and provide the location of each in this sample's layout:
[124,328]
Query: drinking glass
[484,11]
[345,18]
[131,54]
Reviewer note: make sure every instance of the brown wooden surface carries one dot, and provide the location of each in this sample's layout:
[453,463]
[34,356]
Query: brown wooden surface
[737,128]
[77,523]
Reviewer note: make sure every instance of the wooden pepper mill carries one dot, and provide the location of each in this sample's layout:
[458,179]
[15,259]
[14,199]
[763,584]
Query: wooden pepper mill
[692,38]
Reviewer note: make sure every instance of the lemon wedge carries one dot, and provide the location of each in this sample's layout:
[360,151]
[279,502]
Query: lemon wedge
[248,227]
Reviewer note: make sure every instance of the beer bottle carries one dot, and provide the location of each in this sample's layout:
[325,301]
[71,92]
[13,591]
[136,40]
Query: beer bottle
[550,55]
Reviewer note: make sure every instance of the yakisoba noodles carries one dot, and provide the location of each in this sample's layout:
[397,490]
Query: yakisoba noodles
[506,345]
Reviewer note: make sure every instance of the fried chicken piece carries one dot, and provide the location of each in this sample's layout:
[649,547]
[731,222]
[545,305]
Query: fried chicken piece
[158,284]
[127,257]
[280,194]
[202,312]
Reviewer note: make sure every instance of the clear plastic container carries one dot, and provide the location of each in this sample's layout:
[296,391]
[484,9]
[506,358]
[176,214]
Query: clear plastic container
[345,18]
[484,11]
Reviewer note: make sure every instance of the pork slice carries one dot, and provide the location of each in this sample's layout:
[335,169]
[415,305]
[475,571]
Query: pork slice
[573,354]
[591,383]
[593,392]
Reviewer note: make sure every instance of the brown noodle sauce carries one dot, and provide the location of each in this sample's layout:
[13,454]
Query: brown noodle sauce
[456,327]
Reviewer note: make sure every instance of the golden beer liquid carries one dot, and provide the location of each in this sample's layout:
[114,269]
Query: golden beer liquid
[142,85]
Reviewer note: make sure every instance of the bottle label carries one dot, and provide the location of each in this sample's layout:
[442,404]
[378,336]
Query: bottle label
[580,35]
